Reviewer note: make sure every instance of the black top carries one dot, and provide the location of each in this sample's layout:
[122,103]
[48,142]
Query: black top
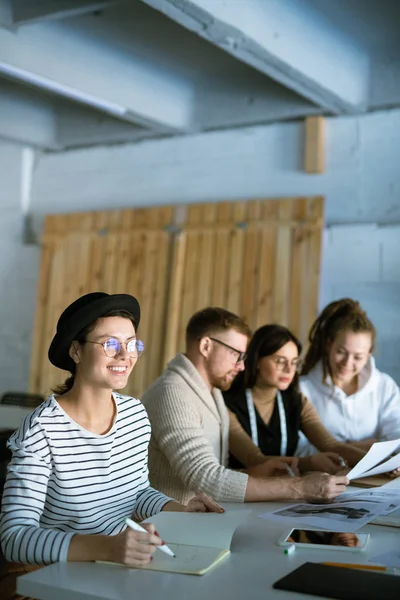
[269,436]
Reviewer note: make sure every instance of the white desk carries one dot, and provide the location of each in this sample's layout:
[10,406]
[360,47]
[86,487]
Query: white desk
[255,563]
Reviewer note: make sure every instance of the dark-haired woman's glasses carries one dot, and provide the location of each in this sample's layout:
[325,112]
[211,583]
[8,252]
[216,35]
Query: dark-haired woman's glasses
[112,347]
[283,364]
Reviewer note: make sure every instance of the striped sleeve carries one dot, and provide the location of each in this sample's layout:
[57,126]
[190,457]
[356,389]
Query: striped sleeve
[22,538]
[149,501]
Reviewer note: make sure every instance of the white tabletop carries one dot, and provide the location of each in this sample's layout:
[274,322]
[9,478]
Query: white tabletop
[255,563]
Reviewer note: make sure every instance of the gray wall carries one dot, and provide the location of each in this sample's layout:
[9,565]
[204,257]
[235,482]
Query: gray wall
[361,185]
[19,266]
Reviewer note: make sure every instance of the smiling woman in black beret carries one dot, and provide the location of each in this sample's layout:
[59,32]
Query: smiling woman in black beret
[79,461]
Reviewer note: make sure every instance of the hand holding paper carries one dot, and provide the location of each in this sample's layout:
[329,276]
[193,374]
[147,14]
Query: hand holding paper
[375,463]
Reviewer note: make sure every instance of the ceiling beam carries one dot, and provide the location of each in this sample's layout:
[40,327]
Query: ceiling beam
[91,71]
[32,11]
[25,118]
[285,40]
[77,127]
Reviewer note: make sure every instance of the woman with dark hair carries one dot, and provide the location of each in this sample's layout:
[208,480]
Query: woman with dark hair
[79,461]
[357,403]
[265,405]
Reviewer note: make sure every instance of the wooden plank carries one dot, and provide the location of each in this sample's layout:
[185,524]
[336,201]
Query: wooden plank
[122,274]
[159,307]
[206,247]
[173,315]
[160,291]
[133,286]
[190,275]
[77,247]
[110,265]
[51,376]
[136,276]
[299,260]
[280,307]
[97,251]
[252,240]
[264,293]
[38,341]
[314,161]
[315,210]
[219,288]
[236,259]
[146,267]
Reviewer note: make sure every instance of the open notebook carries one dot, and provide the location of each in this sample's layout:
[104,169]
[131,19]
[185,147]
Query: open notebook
[199,540]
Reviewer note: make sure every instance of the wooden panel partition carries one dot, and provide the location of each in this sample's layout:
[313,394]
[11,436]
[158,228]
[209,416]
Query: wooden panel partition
[123,251]
[258,258]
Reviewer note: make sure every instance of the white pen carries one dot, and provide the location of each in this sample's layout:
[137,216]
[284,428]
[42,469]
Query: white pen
[290,471]
[137,527]
[342,462]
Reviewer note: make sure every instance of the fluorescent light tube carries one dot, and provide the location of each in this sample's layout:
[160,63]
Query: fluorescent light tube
[58,88]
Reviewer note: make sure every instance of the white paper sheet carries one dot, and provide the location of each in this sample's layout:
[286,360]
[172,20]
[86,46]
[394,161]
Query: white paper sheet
[376,454]
[373,495]
[390,519]
[344,516]
[385,467]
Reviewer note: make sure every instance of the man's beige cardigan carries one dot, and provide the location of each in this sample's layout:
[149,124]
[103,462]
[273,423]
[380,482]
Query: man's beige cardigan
[188,450]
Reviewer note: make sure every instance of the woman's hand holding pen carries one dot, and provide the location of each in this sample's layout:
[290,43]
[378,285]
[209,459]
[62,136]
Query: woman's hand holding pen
[133,548]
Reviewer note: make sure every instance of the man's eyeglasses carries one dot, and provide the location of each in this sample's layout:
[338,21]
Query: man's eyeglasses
[112,347]
[283,363]
[241,355]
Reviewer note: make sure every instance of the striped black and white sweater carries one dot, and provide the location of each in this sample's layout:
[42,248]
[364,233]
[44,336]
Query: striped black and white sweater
[63,480]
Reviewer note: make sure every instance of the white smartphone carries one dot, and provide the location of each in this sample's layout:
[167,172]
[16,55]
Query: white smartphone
[325,540]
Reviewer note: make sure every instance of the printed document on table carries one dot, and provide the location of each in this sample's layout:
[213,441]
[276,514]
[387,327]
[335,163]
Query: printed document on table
[344,517]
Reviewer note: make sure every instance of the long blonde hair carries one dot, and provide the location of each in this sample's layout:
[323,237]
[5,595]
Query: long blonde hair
[342,315]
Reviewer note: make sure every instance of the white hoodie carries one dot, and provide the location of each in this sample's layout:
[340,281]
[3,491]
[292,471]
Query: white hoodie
[372,412]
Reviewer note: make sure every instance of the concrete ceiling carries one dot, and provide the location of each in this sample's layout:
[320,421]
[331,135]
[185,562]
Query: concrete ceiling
[80,73]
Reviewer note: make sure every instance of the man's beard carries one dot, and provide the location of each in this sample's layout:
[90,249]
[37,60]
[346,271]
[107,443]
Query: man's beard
[224,383]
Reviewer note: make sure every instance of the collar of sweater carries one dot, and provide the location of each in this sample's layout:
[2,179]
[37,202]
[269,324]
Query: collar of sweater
[184,367]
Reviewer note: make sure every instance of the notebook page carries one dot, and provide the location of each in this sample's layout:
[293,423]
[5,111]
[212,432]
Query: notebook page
[210,530]
[192,560]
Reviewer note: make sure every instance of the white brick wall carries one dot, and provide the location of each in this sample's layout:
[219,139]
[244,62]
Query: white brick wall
[361,182]
[363,262]
[18,274]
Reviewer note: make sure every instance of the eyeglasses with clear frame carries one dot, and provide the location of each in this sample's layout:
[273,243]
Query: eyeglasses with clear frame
[282,364]
[241,355]
[112,347]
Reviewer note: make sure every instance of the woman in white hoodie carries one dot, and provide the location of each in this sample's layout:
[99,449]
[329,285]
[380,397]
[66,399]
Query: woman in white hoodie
[356,402]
